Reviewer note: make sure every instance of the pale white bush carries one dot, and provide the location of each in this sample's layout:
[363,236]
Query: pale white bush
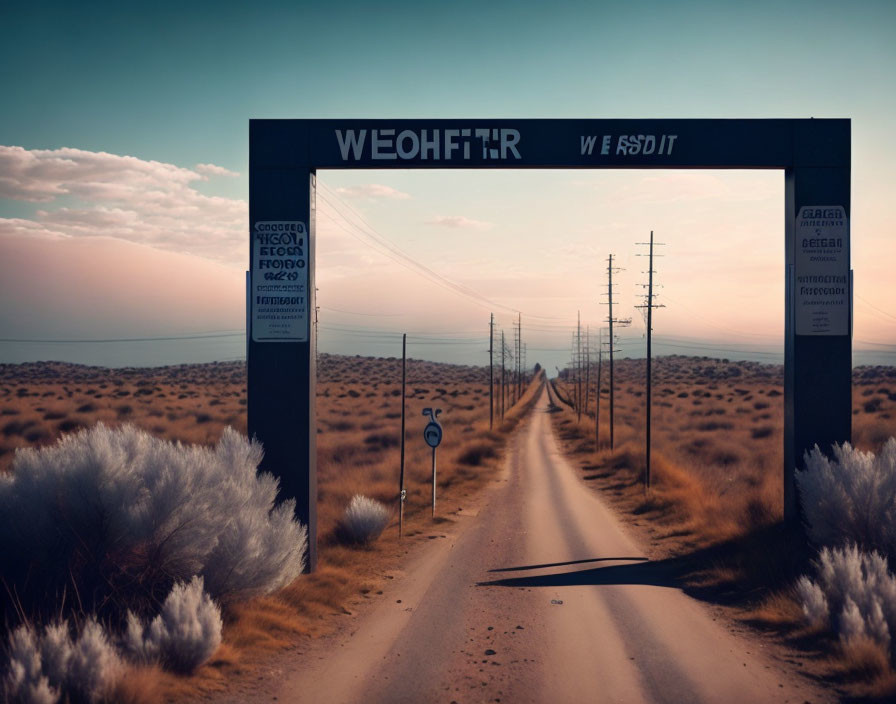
[854,594]
[24,679]
[120,499]
[183,636]
[851,498]
[364,519]
[94,665]
[814,602]
[56,651]
[42,668]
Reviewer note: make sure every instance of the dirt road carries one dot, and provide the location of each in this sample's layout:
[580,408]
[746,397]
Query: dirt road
[541,597]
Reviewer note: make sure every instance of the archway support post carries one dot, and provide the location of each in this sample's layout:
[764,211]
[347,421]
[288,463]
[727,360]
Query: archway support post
[281,365]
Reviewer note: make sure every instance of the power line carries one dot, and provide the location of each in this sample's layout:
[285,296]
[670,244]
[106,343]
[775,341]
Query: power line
[876,344]
[400,257]
[197,336]
[719,349]
[729,331]
[871,305]
[369,315]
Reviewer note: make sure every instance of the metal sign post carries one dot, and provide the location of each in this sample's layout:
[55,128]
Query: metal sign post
[432,434]
[402,494]
[284,156]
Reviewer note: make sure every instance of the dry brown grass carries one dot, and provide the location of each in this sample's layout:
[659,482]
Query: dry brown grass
[358,409]
[139,685]
[717,447]
[874,406]
[191,403]
[716,500]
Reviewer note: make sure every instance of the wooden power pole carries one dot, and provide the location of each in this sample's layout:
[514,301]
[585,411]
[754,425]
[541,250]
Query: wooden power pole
[649,305]
[404,378]
[491,372]
[612,342]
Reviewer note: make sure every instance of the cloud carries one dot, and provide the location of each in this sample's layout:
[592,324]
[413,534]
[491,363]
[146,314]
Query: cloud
[372,190]
[213,170]
[458,222]
[40,175]
[123,197]
[20,227]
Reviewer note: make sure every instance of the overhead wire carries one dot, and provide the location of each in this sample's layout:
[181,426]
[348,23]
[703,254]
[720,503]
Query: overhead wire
[192,336]
[371,315]
[711,323]
[393,252]
[871,305]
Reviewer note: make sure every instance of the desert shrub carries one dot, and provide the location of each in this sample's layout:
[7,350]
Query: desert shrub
[183,636]
[850,498]
[43,667]
[854,595]
[118,516]
[761,432]
[363,521]
[24,679]
[94,664]
[474,455]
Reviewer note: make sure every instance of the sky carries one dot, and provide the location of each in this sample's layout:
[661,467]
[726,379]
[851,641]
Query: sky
[124,184]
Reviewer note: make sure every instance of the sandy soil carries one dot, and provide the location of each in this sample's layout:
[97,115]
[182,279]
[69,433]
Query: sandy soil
[535,594]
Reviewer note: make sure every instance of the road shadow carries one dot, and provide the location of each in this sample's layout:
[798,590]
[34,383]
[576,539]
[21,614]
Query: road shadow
[570,562]
[662,574]
[763,560]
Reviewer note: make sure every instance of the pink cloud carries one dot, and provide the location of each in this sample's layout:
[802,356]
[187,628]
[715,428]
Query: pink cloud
[458,222]
[372,190]
[123,197]
[214,170]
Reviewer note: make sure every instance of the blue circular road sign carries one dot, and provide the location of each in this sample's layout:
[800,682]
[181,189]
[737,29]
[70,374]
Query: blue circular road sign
[432,433]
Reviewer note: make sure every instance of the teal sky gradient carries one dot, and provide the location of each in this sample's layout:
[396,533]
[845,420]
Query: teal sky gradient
[178,82]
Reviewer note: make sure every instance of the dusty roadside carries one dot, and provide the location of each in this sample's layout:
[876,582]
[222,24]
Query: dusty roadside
[704,568]
[540,596]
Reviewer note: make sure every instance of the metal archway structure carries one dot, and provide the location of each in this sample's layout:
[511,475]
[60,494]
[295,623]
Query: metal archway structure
[284,156]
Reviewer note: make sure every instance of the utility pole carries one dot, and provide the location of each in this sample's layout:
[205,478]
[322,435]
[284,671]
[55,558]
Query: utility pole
[574,374]
[503,350]
[611,320]
[579,366]
[316,311]
[525,367]
[600,356]
[404,376]
[519,355]
[649,305]
[587,386]
[512,355]
[491,372]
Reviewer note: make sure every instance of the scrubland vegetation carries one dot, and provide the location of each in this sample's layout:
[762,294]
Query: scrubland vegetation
[717,445]
[109,557]
[101,525]
[849,506]
[713,515]
[363,521]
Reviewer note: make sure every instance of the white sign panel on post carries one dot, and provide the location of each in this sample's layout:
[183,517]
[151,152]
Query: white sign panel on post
[279,298]
[821,276]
